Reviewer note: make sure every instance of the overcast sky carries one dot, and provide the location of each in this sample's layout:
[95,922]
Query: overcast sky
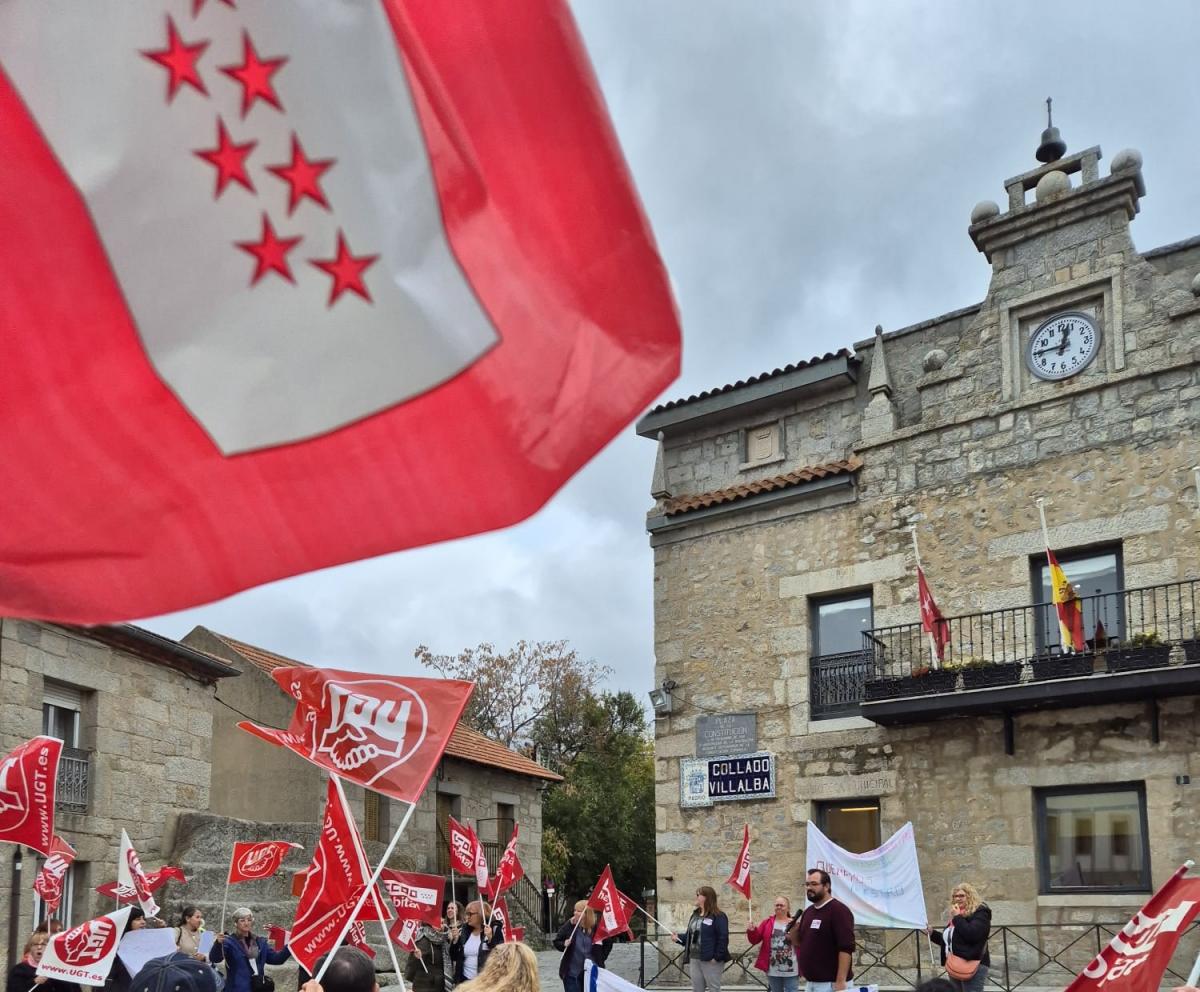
[809,170]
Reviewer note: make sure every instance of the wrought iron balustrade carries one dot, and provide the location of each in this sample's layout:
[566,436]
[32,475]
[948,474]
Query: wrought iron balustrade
[74,777]
[837,683]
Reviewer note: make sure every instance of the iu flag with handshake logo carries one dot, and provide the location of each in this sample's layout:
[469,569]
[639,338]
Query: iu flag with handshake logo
[288,284]
[380,731]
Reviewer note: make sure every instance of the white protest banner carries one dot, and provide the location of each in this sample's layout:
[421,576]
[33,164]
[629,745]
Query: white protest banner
[84,954]
[139,946]
[882,888]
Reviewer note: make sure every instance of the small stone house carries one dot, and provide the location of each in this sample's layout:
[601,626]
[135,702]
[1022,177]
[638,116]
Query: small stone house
[1065,785]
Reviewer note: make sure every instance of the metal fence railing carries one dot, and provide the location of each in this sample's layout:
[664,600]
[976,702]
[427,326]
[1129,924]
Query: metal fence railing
[74,780]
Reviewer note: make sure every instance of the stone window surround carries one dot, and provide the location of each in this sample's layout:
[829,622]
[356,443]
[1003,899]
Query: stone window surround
[1042,860]
[744,445]
[1065,556]
[815,602]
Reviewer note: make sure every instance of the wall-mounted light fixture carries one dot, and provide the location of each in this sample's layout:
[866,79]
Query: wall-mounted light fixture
[662,699]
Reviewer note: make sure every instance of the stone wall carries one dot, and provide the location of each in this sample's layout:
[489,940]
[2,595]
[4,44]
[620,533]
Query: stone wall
[149,729]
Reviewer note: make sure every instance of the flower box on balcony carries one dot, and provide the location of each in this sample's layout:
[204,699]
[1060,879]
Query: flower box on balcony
[1063,666]
[1132,659]
[1191,651]
[991,676]
[881,689]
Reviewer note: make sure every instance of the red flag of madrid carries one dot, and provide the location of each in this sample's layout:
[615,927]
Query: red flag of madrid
[739,877]
[932,621]
[28,777]
[289,285]
[380,731]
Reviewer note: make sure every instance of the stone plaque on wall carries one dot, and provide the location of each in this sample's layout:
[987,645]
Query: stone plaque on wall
[729,733]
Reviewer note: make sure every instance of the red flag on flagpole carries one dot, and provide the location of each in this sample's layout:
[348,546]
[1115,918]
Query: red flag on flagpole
[607,899]
[508,869]
[154,880]
[479,863]
[414,895]
[739,877]
[28,779]
[404,933]
[380,731]
[459,284]
[1067,606]
[252,861]
[1136,959]
[84,954]
[462,847]
[49,882]
[932,621]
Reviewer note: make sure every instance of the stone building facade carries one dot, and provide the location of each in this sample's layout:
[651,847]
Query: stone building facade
[785,588]
[135,711]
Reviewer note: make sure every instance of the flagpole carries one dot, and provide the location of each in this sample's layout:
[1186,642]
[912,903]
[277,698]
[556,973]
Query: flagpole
[1066,648]
[370,885]
[225,901]
[933,656]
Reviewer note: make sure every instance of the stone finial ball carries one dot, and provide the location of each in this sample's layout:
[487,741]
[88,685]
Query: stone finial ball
[1053,185]
[984,210]
[1126,160]
[934,360]
[1196,284]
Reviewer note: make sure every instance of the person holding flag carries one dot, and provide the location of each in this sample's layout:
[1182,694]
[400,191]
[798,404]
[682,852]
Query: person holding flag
[245,954]
[576,940]
[23,975]
[776,956]
[470,948]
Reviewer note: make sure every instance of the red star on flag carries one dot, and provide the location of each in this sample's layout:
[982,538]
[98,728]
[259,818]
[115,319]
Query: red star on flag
[303,175]
[198,5]
[229,159]
[347,271]
[254,75]
[270,252]
[179,59]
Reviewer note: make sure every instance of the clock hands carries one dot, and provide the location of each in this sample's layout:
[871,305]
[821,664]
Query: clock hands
[1062,345]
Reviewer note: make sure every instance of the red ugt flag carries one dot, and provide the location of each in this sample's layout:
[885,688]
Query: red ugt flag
[382,732]
[154,880]
[49,882]
[253,861]
[462,847]
[1136,959]
[607,899]
[739,878]
[28,777]
[414,895]
[284,283]
[932,620]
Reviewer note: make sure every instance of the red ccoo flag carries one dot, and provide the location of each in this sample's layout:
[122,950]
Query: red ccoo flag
[379,731]
[414,895]
[414,258]
[508,870]
[1136,959]
[28,777]
[49,882]
[607,899]
[739,877]
[479,863]
[932,621]
[252,861]
[462,847]
[404,934]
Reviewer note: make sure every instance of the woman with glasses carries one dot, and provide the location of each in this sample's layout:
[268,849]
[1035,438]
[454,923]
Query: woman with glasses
[776,956]
[964,940]
[471,942]
[23,977]
[245,955]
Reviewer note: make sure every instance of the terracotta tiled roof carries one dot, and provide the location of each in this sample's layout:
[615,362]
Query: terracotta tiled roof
[762,377]
[465,743]
[683,504]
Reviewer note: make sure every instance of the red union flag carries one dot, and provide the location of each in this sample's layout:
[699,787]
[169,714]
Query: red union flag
[356,936]
[414,895]
[334,881]
[49,882]
[479,863]
[739,877]
[508,870]
[252,861]
[500,914]
[462,847]
[131,877]
[28,775]
[1136,959]
[382,732]
[155,880]
[404,934]
[608,901]
[85,954]
[261,266]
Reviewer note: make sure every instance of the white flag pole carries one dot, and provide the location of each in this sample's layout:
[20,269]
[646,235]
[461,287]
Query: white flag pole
[370,885]
[932,959]
[225,901]
[933,657]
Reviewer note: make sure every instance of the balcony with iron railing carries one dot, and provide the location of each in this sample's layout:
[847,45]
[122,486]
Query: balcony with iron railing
[1140,644]
[74,780]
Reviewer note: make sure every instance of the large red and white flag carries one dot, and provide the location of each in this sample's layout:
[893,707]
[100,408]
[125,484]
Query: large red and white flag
[414,895]
[628,908]
[335,880]
[479,863]
[932,621]
[85,954]
[739,877]
[130,876]
[462,846]
[28,777]
[606,900]
[403,933]
[155,880]
[49,882]
[500,914]
[284,282]
[252,861]
[356,936]
[379,731]
[509,870]
[1136,959]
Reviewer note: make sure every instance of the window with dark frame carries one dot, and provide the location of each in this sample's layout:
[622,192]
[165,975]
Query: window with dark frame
[506,819]
[851,823]
[1092,838]
[838,623]
[1098,576]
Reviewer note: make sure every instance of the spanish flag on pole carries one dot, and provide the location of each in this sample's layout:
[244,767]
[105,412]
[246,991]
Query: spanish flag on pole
[1068,606]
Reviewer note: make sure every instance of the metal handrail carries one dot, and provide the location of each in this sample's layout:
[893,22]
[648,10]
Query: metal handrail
[74,780]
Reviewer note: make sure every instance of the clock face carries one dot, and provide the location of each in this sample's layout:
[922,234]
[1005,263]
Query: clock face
[1062,346]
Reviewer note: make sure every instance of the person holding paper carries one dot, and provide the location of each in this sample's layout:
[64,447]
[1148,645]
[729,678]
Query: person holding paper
[823,937]
[187,934]
[776,956]
[964,941]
